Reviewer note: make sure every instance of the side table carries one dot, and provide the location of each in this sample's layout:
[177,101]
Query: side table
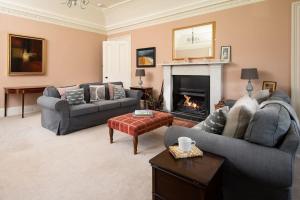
[189,179]
[147,91]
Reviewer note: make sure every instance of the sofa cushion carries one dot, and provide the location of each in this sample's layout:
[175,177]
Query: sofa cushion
[107,105]
[280,95]
[83,109]
[239,117]
[86,88]
[97,93]
[51,92]
[75,97]
[215,122]
[268,125]
[62,90]
[119,92]
[125,102]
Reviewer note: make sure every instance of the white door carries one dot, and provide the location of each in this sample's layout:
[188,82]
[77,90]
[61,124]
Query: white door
[117,62]
[296,57]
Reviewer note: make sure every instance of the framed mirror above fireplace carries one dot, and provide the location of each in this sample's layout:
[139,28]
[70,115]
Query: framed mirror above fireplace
[194,42]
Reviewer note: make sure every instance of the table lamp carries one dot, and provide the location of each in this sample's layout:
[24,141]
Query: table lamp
[140,73]
[249,74]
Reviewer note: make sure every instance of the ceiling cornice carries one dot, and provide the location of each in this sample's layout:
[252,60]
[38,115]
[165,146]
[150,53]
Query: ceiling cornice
[49,17]
[186,11]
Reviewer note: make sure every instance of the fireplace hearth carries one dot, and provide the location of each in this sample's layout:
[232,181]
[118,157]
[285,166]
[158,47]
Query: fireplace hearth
[191,97]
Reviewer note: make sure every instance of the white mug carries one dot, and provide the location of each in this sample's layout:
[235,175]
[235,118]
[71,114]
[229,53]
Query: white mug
[185,144]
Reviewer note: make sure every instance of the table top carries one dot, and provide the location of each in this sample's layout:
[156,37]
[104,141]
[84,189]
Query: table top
[140,88]
[198,169]
[25,87]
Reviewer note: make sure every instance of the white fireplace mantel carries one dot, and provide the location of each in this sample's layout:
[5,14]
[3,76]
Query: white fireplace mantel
[213,69]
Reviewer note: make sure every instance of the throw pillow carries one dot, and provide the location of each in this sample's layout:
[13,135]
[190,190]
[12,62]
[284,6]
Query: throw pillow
[97,93]
[62,90]
[111,91]
[215,122]
[119,92]
[268,125]
[261,95]
[75,97]
[239,116]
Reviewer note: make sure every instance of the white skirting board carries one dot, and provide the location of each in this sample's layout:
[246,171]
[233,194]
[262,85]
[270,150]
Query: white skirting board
[12,111]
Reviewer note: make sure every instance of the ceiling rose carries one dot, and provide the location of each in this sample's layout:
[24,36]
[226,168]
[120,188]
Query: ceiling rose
[83,3]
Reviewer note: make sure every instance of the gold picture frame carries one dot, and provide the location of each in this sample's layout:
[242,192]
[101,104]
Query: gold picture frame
[271,85]
[213,41]
[26,55]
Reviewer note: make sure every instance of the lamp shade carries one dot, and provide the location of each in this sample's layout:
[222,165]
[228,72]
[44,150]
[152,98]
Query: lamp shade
[249,73]
[140,72]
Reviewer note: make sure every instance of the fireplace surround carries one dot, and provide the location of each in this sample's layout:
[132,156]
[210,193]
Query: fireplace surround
[211,71]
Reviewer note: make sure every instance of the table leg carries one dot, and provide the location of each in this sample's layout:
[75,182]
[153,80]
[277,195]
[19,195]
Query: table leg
[23,97]
[111,135]
[135,144]
[5,104]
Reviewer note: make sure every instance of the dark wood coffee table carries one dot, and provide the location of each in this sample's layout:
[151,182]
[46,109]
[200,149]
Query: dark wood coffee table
[186,179]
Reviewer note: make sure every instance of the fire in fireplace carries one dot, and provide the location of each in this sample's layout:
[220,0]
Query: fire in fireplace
[191,97]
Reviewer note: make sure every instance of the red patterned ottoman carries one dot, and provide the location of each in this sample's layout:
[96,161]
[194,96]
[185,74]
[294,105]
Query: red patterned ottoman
[136,126]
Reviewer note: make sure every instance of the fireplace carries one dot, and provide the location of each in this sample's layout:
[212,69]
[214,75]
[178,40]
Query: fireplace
[191,96]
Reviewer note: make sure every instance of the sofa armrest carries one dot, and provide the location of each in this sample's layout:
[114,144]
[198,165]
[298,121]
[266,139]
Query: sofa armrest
[52,103]
[268,165]
[137,94]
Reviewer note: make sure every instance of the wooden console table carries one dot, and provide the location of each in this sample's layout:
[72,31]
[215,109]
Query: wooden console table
[147,91]
[20,90]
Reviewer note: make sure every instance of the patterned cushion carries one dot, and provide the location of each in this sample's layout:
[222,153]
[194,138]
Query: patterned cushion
[138,125]
[119,92]
[97,93]
[215,122]
[62,90]
[75,97]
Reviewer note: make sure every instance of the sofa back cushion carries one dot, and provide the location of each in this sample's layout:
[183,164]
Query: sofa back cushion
[239,117]
[280,95]
[268,125]
[62,90]
[97,93]
[51,92]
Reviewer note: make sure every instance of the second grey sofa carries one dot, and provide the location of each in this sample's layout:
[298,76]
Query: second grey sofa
[62,118]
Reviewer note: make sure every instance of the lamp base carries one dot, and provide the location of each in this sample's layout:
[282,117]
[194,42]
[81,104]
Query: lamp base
[140,82]
[249,88]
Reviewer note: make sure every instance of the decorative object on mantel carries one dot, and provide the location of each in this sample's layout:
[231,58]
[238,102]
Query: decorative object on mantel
[27,55]
[140,73]
[249,74]
[225,53]
[194,42]
[83,3]
[271,85]
[146,57]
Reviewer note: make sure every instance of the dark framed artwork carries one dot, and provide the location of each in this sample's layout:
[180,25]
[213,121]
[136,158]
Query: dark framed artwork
[271,85]
[27,55]
[146,57]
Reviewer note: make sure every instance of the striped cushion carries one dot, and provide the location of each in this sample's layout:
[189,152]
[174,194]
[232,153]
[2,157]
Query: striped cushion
[215,122]
[119,92]
[75,97]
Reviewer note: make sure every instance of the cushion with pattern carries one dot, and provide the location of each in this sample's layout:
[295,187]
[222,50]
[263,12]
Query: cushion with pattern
[97,93]
[75,97]
[119,92]
[215,122]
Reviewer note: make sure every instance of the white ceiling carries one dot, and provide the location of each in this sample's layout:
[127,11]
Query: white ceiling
[114,15]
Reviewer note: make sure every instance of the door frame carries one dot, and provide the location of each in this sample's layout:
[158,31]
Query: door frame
[295,60]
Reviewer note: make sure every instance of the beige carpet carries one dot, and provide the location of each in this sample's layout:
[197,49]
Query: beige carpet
[37,165]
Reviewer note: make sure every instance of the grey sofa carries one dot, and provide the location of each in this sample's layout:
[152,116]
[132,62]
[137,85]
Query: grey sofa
[251,171]
[62,118]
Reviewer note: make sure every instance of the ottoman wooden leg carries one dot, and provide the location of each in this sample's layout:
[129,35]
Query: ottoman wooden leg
[135,144]
[111,135]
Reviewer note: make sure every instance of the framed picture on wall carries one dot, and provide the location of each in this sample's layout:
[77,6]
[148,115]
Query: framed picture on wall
[271,85]
[27,55]
[225,53]
[146,57]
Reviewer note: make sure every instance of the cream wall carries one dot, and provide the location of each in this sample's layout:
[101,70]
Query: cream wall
[73,56]
[260,36]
